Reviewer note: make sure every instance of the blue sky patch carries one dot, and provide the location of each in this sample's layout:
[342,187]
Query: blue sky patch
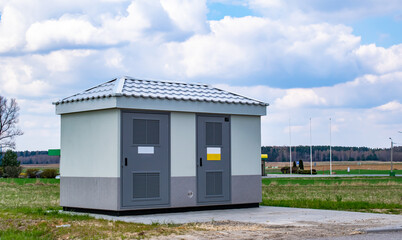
[384,31]
[218,11]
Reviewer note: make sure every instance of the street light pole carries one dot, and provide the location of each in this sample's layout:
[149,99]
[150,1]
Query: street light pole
[330,147]
[392,153]
[311,153]
[290,150]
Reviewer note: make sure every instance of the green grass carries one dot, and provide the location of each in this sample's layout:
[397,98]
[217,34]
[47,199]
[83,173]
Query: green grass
[365,194]
[29,209]
[331,180]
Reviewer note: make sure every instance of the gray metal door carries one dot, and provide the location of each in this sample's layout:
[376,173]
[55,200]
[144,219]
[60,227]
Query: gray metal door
[145,159]
[213,159]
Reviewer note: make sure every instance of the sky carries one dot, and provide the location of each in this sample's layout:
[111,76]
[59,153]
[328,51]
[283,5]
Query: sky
[312,59]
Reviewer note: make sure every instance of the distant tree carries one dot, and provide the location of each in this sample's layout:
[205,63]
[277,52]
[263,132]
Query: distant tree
[301,164]
[10,159]
[8,121]
[294,164]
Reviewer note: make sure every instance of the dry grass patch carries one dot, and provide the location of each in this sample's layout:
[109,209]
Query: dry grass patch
[29,209]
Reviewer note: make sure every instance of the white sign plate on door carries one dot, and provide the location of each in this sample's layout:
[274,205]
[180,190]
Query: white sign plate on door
[145,150]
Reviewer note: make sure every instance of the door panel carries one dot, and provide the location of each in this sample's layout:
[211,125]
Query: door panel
[145,159]
[213,159]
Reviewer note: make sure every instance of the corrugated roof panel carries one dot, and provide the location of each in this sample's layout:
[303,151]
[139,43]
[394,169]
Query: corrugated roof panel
[162,90]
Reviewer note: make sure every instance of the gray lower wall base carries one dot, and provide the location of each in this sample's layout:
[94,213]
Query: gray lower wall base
[90,192]
[183,191]
[104,193]
[246,189]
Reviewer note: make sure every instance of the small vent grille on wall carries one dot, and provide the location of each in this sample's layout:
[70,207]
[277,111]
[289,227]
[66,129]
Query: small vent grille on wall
[214,183]
[146,185]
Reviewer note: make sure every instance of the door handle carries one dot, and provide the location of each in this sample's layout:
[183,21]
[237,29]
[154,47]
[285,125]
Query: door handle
[200,162]
[125,161]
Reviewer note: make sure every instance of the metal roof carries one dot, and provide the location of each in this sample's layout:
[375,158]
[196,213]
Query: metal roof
[155,89]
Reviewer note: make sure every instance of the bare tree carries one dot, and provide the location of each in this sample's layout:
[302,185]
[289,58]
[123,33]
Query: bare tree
[8,121]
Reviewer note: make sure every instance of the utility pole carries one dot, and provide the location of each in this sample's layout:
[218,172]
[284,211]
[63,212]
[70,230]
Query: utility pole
[330,147]
[311,153]
[290,149]
[392,153]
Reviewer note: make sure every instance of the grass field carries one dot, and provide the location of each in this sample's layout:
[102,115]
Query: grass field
[29,209]
[364,194]
[364,167]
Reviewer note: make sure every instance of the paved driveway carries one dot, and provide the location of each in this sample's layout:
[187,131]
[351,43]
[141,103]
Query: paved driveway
[271,222]
[266,215]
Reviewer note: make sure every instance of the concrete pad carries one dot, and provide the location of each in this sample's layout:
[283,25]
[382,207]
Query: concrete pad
[267,215]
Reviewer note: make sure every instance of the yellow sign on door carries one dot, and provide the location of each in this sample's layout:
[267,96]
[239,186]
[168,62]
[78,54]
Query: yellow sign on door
[213,153]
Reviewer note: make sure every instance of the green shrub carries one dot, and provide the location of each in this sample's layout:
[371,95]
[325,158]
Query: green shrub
[12,171]
[10,159]
[1,172]
[285,169]
[49,173]
[31,172]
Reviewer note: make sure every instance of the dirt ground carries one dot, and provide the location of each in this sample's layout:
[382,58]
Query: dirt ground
[369,165]
[239,230]
[55,165]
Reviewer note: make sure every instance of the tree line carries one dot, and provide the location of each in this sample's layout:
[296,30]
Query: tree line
[36,157]
[275,154]
[321,153]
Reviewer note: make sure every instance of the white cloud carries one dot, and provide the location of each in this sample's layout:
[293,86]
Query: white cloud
[12,26]
[16,79]
[66,31]
[239,46]
[379,59]
[188,15]
[391,106]
[297,98]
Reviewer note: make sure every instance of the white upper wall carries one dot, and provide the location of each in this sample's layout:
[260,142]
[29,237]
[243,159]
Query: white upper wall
[246,145]
[183,144]
[90,144]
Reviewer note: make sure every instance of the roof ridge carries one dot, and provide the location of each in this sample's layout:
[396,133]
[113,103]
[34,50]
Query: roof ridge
[88,89]
[167,81]
[249,98]
[98,85]
[118,88]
